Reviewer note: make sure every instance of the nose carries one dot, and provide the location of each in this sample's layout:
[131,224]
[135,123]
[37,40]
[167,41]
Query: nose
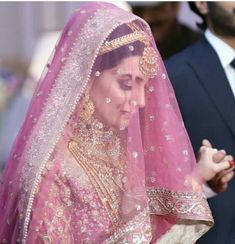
[141,97]
[138,98]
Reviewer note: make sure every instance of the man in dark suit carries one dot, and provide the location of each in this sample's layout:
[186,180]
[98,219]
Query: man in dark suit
[203,77]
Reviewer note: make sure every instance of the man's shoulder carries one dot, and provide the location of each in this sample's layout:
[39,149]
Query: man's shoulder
[180,64]
[183,56]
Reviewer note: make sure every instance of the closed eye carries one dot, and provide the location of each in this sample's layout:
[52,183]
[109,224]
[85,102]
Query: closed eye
[125,85]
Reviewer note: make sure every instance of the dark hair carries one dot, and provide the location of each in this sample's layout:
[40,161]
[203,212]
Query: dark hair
[113,58]
[203,24]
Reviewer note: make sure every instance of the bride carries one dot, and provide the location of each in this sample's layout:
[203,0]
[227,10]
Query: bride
[103,156]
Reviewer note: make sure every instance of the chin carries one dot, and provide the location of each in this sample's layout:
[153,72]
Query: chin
[124,123]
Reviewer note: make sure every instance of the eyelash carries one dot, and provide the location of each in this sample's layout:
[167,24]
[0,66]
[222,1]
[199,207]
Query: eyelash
[124,85]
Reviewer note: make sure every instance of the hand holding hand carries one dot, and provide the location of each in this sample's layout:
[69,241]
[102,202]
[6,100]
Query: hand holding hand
[215,167]
[219,182]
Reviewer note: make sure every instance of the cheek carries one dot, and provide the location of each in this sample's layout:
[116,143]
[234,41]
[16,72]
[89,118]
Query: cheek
[117,97]
[109,100]
[112,110]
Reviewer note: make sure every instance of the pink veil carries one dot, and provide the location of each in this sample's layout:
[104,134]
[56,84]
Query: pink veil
[163,199]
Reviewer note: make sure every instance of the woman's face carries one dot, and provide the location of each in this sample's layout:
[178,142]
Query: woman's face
[118,92]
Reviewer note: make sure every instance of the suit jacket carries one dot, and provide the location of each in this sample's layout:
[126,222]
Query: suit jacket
[208,108]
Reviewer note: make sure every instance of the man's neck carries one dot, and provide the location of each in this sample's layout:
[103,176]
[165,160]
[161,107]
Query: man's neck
[230,40]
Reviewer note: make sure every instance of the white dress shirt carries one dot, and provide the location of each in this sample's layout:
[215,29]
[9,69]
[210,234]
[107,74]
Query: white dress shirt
[226,55]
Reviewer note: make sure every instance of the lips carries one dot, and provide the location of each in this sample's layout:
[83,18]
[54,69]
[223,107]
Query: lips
[127,116]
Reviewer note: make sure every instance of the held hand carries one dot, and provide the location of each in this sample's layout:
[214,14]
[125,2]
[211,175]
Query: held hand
[206,165]
[219,183]
[223,172]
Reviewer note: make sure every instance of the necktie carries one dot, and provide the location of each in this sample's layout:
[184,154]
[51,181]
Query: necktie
[233,63]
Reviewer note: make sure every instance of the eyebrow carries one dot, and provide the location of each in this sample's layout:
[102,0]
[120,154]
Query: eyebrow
[129,76]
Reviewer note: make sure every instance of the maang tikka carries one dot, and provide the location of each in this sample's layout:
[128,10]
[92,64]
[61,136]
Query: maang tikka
[88,108]
[149,59]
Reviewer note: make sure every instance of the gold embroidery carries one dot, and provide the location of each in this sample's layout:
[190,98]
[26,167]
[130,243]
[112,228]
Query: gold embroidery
[186,205]
[57,217]
[108,46]
[186,231]
[46,239]
[101,155]
[137,230]
[88,108]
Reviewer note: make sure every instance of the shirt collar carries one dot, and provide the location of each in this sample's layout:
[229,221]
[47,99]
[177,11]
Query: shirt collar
[225,52]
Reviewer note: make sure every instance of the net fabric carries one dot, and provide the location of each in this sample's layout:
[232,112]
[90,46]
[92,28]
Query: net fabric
[124,175]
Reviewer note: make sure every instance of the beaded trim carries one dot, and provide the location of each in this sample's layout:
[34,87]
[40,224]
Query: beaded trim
[121,41]
[64,95]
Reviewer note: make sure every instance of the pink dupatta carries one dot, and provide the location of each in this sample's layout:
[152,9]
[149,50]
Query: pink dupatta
[162,199]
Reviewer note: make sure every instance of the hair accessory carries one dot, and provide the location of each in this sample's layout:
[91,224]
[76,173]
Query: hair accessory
[109,46]
[149,58]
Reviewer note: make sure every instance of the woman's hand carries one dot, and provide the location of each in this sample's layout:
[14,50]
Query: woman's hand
[214,164]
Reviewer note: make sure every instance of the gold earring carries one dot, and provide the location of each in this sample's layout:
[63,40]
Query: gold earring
[149,62]
[88,108]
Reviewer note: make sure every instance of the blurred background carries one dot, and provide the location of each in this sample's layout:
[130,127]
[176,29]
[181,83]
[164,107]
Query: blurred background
[29,31]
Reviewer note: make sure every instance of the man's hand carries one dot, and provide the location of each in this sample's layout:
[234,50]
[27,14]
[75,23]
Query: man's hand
[219,182]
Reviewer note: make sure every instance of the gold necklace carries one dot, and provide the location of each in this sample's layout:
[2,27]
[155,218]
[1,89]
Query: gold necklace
[100,152]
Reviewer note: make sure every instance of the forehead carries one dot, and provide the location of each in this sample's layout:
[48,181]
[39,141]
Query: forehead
[129,62]
[131,65]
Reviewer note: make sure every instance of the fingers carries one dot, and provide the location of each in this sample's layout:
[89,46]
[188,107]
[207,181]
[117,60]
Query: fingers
[226,178]
[223,187]
[223,173]
[228,158]
[231,163]
[220,181]
[221,157]
[204,149]
[221,166]
[218,156]
[211,163]
[206,143]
